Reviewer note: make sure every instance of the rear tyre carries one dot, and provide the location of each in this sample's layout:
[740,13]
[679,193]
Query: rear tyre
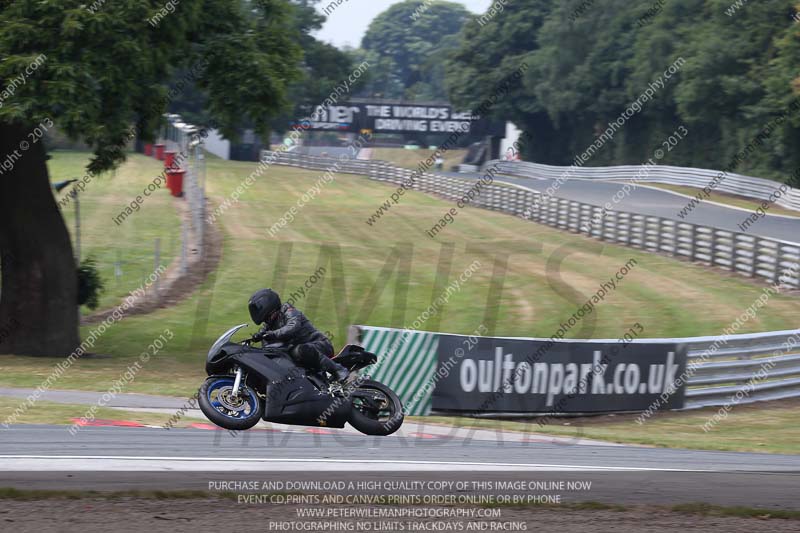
[376,409]
[220,407]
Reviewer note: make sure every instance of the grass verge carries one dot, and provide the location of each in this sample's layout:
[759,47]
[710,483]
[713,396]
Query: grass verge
[769,427]
[702,509]
[43,412]
[737,511]
[413,158]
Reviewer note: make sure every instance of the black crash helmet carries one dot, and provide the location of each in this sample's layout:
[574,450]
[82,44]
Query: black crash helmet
[262,304]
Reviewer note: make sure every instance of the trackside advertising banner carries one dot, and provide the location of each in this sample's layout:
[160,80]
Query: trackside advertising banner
[380,117]
[484,374]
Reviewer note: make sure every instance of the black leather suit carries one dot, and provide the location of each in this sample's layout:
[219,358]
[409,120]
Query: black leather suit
[312,348]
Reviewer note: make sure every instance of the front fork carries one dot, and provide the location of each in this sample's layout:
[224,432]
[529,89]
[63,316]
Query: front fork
[237,383]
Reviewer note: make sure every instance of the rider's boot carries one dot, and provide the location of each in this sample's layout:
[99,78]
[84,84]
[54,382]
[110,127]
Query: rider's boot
[309,357]
[339,372]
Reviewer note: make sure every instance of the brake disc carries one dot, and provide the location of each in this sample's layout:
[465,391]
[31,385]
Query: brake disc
[236,405]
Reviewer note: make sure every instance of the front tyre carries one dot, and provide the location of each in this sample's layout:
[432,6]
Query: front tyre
[376,409]
[218,404]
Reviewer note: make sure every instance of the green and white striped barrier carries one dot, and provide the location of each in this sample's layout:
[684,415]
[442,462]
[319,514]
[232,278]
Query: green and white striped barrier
[406,364]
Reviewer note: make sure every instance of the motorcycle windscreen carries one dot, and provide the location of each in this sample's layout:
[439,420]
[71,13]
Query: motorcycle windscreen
[222,340]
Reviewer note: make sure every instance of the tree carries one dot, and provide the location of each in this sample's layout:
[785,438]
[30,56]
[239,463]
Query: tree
[487,54]
[784,71]
[104,66]
[587,66]
[408,42]
[322,67]
[726,94]
[382,79]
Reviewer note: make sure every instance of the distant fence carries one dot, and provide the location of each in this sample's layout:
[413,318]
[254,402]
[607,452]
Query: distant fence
[188,141]
[713,371]
[748,186]
[758,257]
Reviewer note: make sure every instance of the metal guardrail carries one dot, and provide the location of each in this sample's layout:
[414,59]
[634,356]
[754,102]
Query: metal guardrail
[748,186]
[772,260]
[723,368]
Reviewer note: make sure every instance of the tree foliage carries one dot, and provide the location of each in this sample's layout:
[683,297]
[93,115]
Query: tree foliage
[105,68]
[407,46]
[322,67]
[741,75]
[90,284]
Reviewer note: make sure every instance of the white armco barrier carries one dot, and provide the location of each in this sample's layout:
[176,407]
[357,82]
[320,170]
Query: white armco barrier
[757,188]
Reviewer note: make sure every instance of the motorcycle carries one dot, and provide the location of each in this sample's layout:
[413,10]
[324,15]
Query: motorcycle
[247,384]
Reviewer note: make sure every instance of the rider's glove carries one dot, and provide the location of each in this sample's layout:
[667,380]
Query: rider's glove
[259,336]
[267,336]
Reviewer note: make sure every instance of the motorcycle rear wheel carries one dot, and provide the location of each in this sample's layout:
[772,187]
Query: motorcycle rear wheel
[221,408]
[376,409]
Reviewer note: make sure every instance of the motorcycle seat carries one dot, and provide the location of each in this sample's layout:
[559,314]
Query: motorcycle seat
[354,356]
[348,350]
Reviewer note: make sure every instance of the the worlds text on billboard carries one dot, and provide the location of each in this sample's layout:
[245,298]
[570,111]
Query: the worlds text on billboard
[498,375]
[382,117]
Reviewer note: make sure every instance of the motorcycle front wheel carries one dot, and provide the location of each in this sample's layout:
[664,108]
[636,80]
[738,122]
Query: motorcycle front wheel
[376,409]
[218,404]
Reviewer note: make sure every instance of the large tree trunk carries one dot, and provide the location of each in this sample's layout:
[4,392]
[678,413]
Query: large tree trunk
[38,295]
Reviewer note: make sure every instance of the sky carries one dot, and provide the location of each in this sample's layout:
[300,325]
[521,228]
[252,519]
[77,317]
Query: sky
[347,24]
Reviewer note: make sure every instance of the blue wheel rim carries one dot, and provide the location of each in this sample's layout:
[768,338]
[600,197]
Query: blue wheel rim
[224,385]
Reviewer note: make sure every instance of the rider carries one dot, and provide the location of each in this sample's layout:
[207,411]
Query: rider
[284,323]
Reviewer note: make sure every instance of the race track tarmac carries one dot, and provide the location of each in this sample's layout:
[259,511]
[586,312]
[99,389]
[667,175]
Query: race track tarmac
[646,200]
[117,458]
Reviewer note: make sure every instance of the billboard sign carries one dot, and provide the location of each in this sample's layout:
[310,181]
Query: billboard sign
[403,118]
[541,376]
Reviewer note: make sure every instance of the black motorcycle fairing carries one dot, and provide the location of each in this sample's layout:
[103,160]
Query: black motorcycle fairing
[219,363]
[299,401]
[293,397]
[267,366]
[222,361]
